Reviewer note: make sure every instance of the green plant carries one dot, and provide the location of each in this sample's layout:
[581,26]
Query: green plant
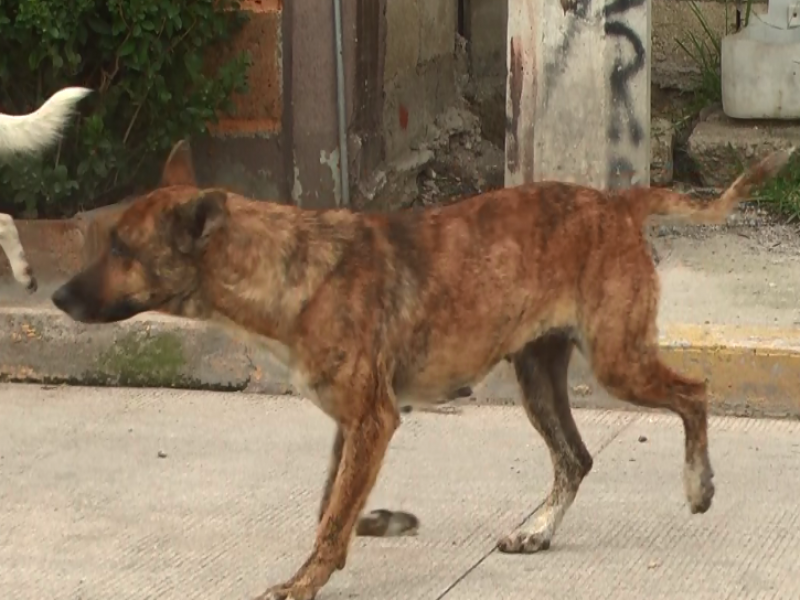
[705,51]
[157,76]
[782,194]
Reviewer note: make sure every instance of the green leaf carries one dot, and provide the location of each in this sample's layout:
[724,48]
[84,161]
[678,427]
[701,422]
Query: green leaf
[98,25]
[127,48]
[142,58]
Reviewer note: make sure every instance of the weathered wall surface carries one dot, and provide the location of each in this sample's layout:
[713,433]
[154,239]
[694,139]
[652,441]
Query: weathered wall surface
[313,133]
[578,96]
[419,75]
[283,144]
[244,152]
[671,19]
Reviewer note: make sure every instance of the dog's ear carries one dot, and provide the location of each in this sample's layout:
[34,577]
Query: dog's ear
[195,221]
[179,169]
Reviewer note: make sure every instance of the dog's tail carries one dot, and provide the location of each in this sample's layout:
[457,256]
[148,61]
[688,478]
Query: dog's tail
[37,130]
[663,202]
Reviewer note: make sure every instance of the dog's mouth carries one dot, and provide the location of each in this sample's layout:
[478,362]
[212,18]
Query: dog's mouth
[92,311]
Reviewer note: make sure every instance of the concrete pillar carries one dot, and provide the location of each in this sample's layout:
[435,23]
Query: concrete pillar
[314,140]
[312,137]
[578,92]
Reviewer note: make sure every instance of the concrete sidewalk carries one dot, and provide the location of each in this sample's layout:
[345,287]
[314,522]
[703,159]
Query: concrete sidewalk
[129,494]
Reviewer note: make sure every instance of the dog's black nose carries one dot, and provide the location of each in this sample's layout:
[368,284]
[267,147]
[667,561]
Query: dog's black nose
[62,298]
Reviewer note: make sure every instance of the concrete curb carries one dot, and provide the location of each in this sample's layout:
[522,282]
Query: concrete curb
[751,371]
[44,346]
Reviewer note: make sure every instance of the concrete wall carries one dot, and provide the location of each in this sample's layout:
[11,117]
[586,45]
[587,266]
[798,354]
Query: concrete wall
[282,143]
[671,20]
[419,75]
[399,61]
[244,152]
[578,99]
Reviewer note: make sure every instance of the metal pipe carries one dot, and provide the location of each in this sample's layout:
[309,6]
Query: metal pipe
[340,104]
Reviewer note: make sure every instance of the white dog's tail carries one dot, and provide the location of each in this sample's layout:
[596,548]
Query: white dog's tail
[37,130]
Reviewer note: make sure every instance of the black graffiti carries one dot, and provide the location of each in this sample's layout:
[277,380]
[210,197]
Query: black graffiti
[620,169]
[621,76]
[622,109]
[619,7]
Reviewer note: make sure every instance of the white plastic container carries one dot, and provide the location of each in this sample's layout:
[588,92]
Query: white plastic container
[761,65]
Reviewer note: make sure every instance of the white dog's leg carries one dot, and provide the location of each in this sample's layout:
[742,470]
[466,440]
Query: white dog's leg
[37,130]
[9,241]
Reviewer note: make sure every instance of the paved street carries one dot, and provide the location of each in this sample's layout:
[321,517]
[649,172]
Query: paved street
[145,494]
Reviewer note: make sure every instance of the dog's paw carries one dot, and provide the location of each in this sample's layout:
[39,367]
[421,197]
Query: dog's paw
[524,542]
[698,481]
[288,592]
[387,523]
[29,280]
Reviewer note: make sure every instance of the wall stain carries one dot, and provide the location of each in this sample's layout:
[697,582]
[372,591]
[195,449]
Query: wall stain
[515,95]
[555,68]
[623,121]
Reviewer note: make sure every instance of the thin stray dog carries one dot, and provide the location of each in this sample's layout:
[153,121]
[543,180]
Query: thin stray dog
[374,312]
[26,134]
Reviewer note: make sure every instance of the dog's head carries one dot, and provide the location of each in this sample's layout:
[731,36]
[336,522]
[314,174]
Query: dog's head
[150,258]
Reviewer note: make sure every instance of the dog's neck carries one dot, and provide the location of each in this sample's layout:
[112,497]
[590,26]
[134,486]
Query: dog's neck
[267,265]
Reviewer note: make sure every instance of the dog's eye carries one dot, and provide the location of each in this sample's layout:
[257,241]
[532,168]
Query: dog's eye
[117,248]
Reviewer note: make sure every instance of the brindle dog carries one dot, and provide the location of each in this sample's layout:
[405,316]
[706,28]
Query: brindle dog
[374,312]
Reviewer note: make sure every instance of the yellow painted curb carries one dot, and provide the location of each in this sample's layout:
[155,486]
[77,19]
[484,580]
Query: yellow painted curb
[752,371]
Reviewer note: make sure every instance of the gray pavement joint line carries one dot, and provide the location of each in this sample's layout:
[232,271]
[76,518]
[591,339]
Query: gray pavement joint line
[493,549]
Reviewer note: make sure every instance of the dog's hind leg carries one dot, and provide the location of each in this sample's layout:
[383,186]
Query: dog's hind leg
[639,377]
[9,242]
[620,338]
[376,523]
[541,368]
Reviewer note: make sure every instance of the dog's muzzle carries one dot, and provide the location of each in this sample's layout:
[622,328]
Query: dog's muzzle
[68,302]
[86,308]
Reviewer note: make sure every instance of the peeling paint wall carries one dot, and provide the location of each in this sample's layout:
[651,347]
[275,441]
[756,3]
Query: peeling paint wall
[400,75]
[419,75]
[578,97]
[332,161]
[672,20]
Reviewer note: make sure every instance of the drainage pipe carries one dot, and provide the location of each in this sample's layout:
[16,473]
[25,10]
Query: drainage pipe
[340,105]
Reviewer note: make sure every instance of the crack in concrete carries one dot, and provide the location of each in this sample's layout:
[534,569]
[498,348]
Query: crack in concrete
[493,549]
[251,368]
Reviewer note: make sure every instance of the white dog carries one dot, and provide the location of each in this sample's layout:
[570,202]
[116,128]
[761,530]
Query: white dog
[25,134]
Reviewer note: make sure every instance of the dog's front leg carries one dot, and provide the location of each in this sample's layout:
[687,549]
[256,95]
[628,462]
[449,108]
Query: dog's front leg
[333,471]
[377,523]
[363,445]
